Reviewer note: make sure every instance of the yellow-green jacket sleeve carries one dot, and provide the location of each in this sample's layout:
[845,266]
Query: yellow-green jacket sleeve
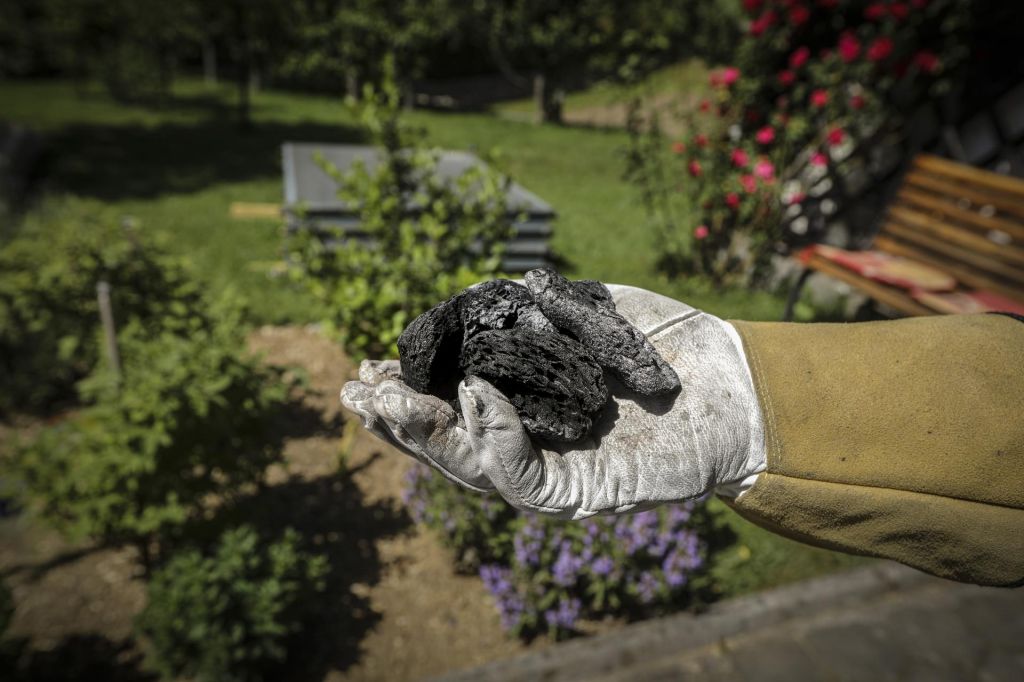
[902,440]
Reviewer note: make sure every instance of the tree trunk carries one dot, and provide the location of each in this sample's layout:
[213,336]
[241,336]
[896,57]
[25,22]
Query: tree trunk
[548,98]
[352,88]
[209,63]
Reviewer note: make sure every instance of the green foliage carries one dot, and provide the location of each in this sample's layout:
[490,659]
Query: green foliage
[184,426]
[49,315]
[426,237]
[228,615]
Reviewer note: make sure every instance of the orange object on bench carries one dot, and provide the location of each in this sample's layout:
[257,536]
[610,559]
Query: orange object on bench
[951,228]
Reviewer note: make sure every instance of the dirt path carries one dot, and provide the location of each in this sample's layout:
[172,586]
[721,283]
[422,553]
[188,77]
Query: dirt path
[398,610]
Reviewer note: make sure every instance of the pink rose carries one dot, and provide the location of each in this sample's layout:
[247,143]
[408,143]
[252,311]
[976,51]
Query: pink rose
[701,140]
[857,101]
[730,75]
[836,136]
[875,11]
[798,15]
[765,135]
[927,61]
[786,78]
[700,232]
[749,183]
[799,57]
[819,159]
[764,169]
[763,23]
[694,168]
[678,148]
[797,198]
[732,200]
[819,98]
[849,46]
[739,158]
[880,49]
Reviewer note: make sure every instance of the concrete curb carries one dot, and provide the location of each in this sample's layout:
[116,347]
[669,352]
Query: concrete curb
[648,641]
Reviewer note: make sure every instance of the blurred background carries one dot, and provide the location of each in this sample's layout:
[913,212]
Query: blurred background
[210,212]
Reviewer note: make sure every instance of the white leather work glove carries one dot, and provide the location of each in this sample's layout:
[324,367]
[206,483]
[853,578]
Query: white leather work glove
[641,452]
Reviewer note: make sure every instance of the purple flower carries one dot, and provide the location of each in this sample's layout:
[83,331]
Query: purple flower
[566,566]
[602,566]
[565,615]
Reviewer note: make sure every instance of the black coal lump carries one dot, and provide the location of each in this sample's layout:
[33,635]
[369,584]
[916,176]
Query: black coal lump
[617,345]
[556,386]
[598,293]
[429,350]
[499,304]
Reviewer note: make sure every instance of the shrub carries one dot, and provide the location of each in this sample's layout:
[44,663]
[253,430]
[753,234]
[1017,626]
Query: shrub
[547,575]
[229,614]
[186,425]
[815,90]
[424,237]
[49,316]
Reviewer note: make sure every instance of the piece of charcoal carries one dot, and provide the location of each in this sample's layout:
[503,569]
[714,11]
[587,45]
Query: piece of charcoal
[617,345]
[429,350]
[499,304]
[596,291]
[556,386]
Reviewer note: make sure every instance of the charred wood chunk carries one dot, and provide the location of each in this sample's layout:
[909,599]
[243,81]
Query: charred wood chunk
[429,351]
[616,344]
[499,304]
[554,383]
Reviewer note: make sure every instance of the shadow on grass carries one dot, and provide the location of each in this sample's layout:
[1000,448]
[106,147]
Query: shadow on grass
[115,162]
[79,657]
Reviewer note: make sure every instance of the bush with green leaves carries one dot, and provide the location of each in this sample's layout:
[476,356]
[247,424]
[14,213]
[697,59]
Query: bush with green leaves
[229,614]
[49,315]
[424,237]
[185,426]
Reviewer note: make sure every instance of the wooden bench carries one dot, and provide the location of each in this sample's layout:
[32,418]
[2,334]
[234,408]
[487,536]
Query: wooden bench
[963,221]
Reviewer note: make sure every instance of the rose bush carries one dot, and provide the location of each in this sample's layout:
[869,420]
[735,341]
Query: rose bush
[815,85]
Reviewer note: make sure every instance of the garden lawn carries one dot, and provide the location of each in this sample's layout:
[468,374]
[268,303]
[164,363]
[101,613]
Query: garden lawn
[177,168]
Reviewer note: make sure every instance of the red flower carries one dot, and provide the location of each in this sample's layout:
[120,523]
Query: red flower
[700,232]
[765,170]
[819,98]
[730,75]
[705,105]
[836,136]
[880,49]
[678,147]
[819,159]
[694,168]
[849,46]
[927,61]
[899,11]
[765,135]
[732,200]
[857,101]
[749,183]
[763,23]
[796,198]
[798,15]
[799,57]
[875,11]
[786,78]
[739,158]
[752,5]
[701,140]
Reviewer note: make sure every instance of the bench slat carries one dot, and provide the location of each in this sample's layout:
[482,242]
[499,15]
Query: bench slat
[966,276]
[952,252]
[1003,203]
[970,174]
[968,242]
[951,212]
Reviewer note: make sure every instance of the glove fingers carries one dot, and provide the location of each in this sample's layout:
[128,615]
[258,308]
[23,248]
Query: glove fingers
[357,397]
[429,427]
[507,457]
[375,371]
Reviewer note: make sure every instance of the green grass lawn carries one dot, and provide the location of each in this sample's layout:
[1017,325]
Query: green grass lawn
[177,169]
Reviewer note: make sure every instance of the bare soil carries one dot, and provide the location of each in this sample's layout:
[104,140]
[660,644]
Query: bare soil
[397,609]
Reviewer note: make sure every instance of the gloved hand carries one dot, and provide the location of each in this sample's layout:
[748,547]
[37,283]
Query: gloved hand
[641,453]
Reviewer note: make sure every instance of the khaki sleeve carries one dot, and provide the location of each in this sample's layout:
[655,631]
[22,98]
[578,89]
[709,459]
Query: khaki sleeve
[902,440]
